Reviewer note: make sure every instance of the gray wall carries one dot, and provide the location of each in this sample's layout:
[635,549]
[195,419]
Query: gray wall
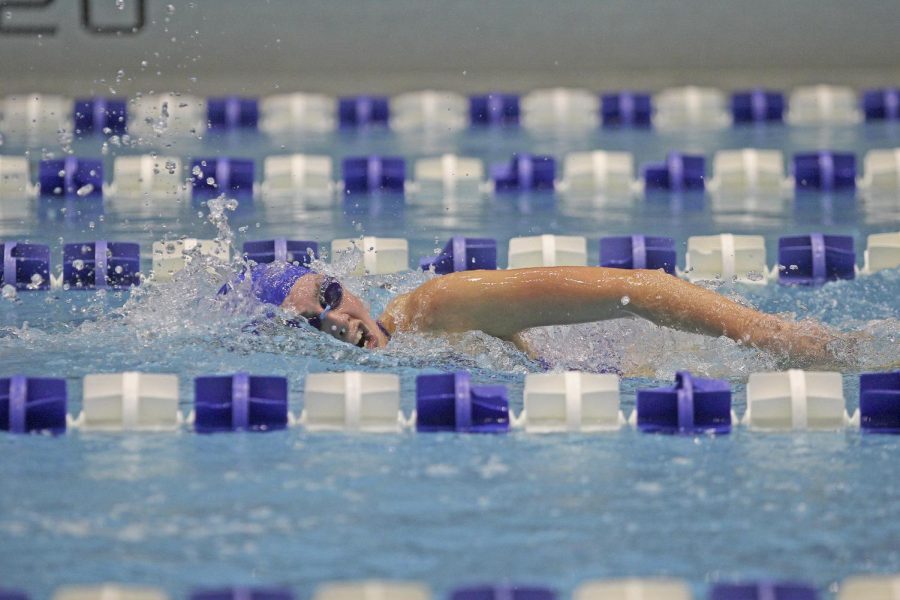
[257,46]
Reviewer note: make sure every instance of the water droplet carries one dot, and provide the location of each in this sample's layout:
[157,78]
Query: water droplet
[85,190]
[625,300]
[9,292]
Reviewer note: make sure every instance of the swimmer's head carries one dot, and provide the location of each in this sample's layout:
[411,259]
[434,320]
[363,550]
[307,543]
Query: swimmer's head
[321,300]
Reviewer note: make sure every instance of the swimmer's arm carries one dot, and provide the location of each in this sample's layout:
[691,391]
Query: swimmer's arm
[505,303]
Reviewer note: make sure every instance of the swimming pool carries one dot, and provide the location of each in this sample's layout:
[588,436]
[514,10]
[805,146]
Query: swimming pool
[181,511]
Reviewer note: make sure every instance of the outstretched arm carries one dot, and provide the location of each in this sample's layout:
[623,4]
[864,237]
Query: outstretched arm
[504,303]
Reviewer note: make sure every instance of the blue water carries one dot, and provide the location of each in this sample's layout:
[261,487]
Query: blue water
[183,510]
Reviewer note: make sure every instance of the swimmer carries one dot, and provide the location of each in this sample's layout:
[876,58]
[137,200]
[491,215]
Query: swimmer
[505,303]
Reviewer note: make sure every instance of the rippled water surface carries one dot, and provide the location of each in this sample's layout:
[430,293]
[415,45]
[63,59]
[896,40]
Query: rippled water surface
[181,510]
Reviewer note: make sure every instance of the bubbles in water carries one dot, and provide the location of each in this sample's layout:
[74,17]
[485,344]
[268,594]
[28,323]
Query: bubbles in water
[78,264]
[625,300]
[85,190]
[755,276]
[36,282]
[8,292]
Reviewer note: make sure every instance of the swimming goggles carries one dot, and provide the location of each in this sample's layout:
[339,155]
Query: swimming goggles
[331,292]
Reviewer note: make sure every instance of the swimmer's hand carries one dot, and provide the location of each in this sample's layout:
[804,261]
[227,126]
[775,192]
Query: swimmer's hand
[811,345]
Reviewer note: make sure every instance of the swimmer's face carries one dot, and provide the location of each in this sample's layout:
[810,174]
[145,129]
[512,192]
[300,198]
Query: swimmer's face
[349,322]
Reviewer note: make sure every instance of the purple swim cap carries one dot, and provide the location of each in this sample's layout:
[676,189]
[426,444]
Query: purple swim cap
[272,282]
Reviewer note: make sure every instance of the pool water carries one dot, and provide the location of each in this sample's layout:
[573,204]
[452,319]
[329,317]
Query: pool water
[184,510]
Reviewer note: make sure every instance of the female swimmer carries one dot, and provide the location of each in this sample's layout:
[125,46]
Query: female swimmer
[504,303]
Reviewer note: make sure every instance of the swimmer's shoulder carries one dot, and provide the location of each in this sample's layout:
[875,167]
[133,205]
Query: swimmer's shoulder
[395,318]
[417,310]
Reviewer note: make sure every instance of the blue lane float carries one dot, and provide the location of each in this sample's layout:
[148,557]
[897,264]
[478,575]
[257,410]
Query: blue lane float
[882,105]
[25,266]
[449,402]
[363,111]
[825,171]
[763,590]
[232,112]
[463,254]
[496,108]
[626,109]
[240,402]
[214,176]
[101,264]
[71,177]
[300,252]
[879,402]
[524,173]
[502,592]
[815,258]
[100,115]
[638,252]
[679,173]
[243,593]
[32,404]
[691,406]
[374,174]
[757,106]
